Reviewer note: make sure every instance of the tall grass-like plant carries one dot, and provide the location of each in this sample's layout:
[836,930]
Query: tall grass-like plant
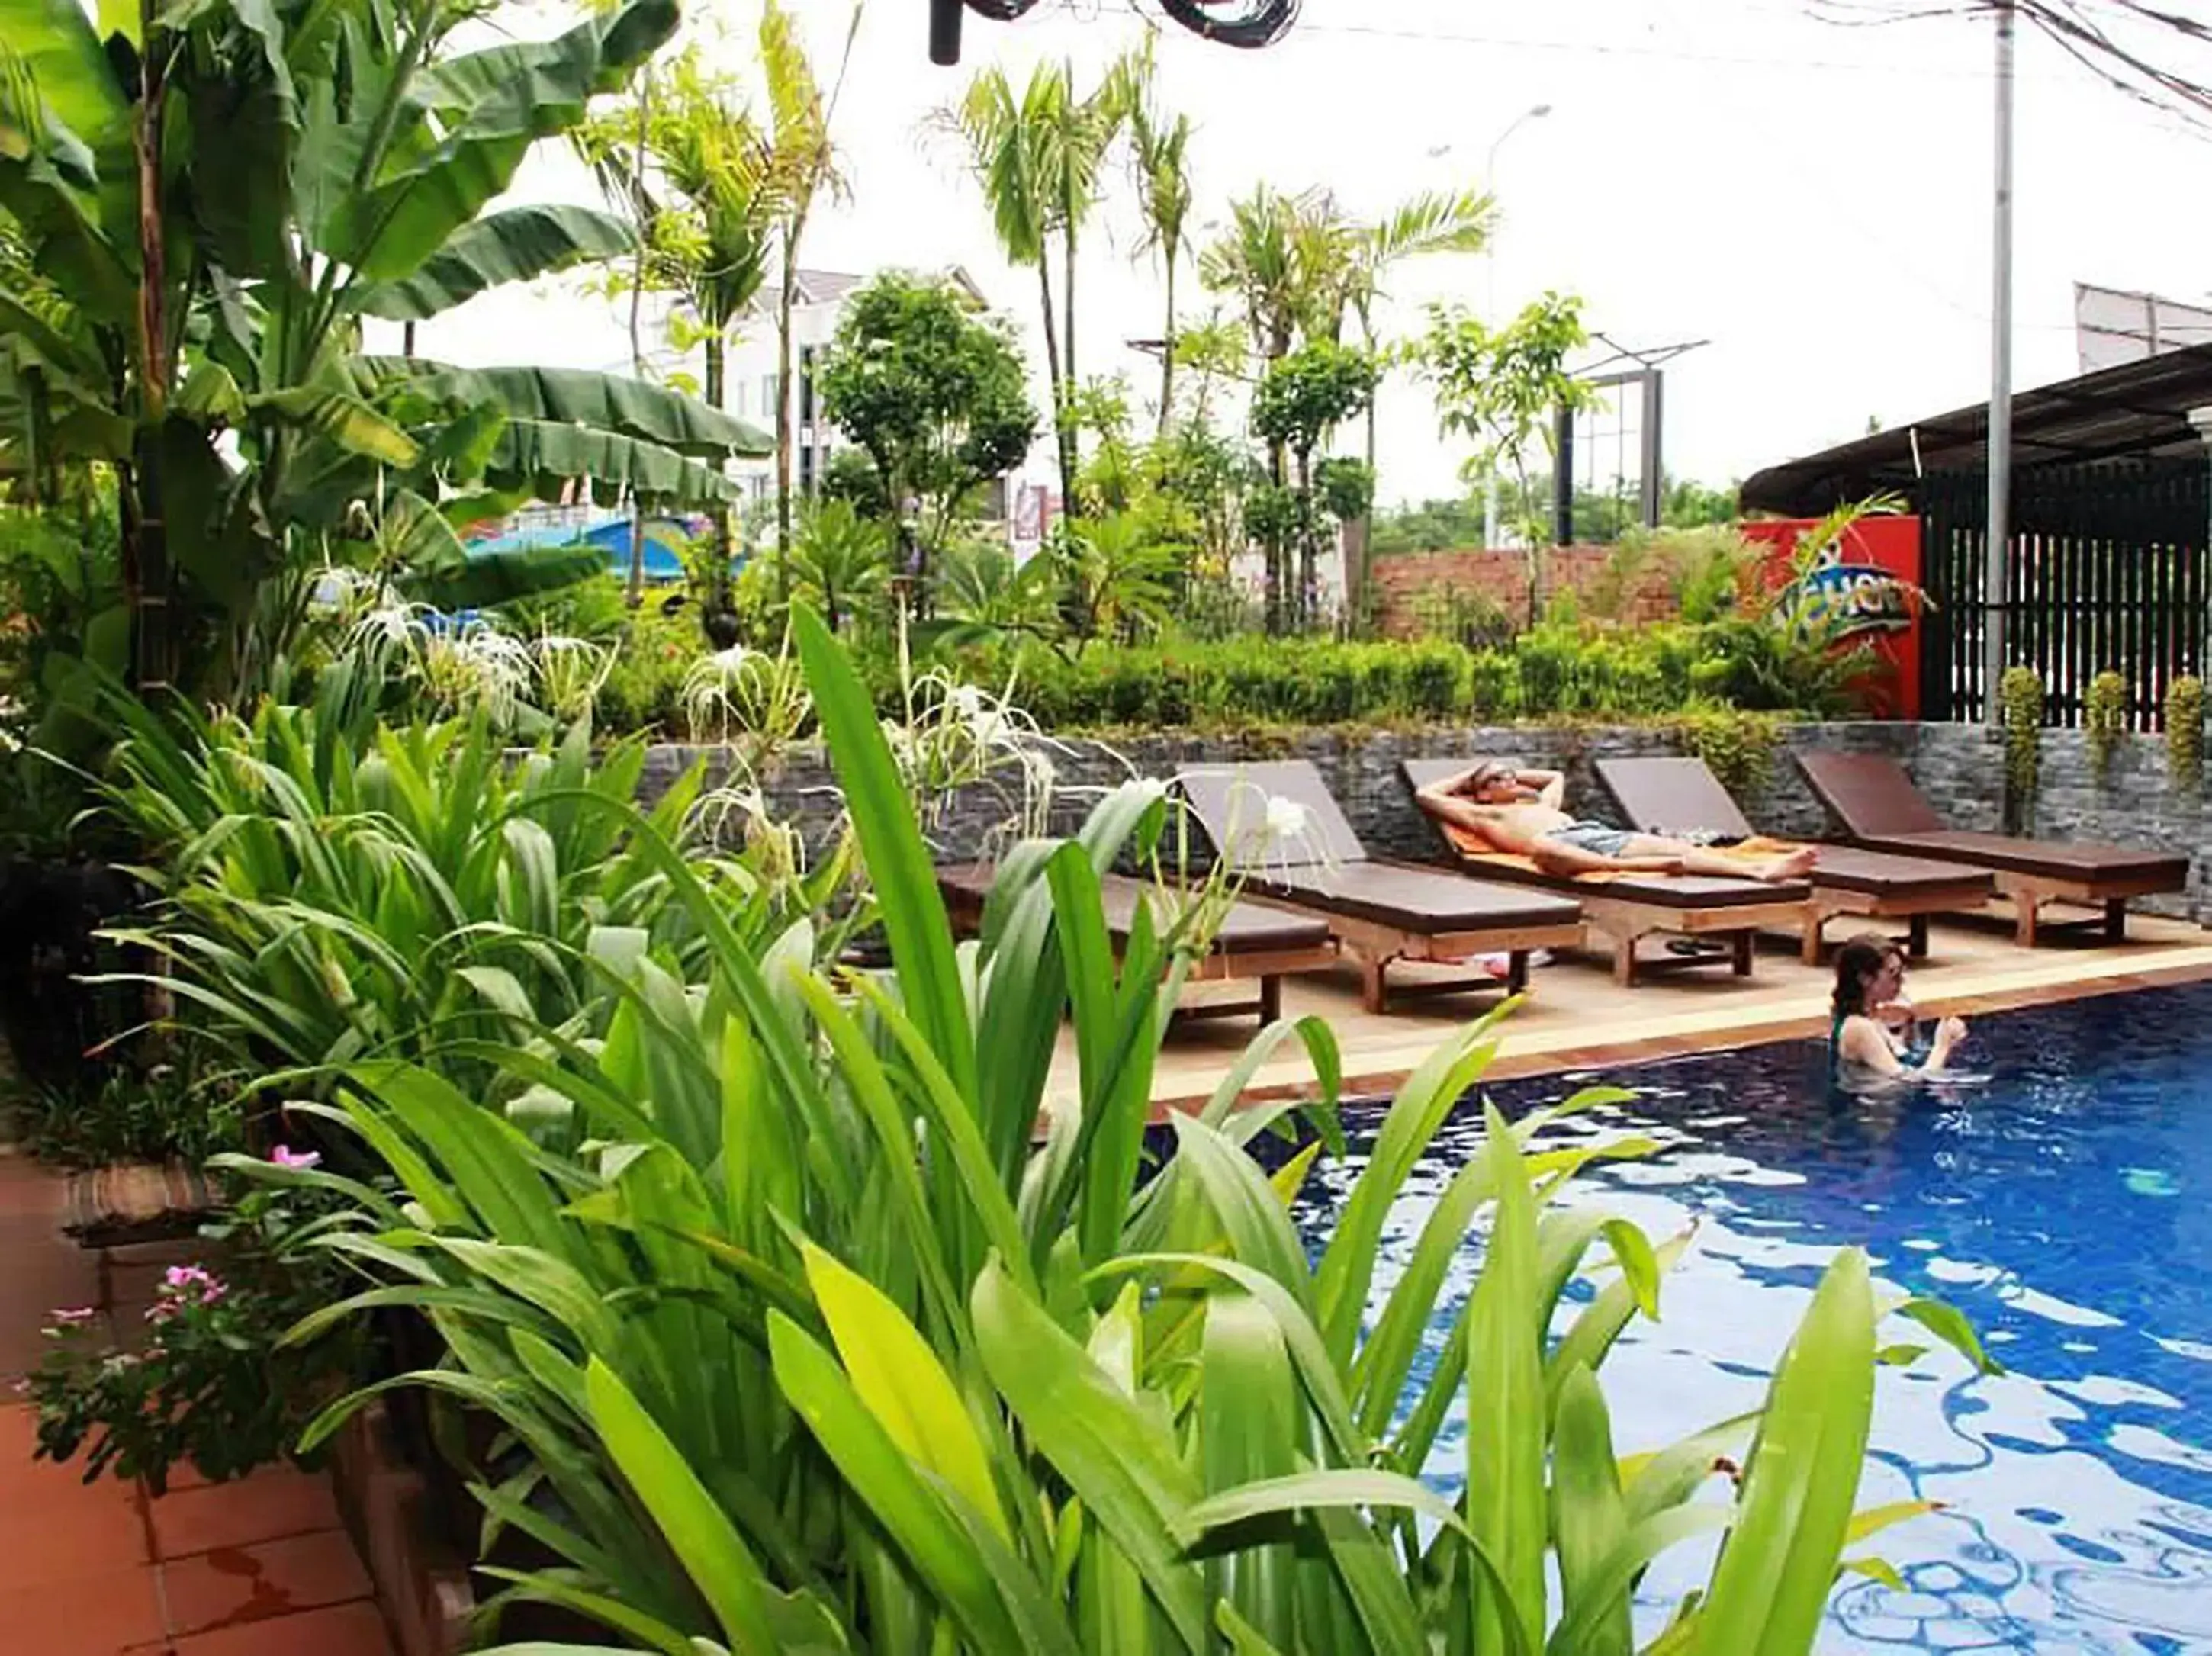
[320,905]
[843,1329]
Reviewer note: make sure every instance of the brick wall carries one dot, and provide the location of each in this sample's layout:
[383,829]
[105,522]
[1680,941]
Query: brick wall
[1399,580]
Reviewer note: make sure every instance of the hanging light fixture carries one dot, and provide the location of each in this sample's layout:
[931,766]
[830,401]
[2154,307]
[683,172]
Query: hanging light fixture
[1247,24]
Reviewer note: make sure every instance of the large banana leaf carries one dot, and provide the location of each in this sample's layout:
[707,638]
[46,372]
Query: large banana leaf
[538,456]
[67,72]
[518,245]
[564,396]
[466,124]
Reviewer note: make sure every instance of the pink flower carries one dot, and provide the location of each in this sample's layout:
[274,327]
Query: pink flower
[284,1156]
[185,1277]
[76,1317]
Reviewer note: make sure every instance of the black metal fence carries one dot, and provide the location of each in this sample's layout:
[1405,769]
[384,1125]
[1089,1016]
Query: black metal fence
[2110,567]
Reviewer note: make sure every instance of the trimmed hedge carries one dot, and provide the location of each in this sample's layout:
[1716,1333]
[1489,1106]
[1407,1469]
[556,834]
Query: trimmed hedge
[1551,673]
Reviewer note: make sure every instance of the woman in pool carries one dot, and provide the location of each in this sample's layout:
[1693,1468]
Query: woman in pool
[1863,1041]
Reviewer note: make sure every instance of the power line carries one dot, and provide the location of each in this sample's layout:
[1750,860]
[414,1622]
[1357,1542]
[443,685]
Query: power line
[1091,10]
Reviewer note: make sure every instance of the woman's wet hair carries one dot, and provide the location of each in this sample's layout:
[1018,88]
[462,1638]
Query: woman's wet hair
[1859,961]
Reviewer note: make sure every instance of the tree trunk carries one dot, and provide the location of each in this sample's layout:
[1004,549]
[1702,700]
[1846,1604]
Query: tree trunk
[146,552]
[1167,348]
[1062,448]
[784,404]
[1304,600]
[634,591]
[1069,439]
[1356,534]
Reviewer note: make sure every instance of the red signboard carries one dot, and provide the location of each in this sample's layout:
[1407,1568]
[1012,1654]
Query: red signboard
[1873,573]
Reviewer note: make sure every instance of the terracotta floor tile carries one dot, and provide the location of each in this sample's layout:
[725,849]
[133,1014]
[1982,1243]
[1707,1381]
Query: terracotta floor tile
[44,1272]
[232,1586]
[56,1528]
[271,1503]
[99,1615]
[353,1629]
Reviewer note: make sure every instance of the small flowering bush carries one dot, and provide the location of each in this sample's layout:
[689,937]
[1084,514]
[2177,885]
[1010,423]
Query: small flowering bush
[203,1380]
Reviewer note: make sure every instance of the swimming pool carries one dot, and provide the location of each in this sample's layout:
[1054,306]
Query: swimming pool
[2065,1206]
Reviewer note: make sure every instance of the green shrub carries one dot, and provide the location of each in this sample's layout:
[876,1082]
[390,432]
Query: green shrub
[2104,721]
[1553,671]
[1737,747]
[2020,695]
[2185,732]
[1432,680]
[1493,678]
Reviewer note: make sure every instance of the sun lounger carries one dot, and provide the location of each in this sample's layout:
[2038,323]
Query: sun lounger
[1681,797]
[1628,907]
[1253,944]
[1877,806]
[1379,911]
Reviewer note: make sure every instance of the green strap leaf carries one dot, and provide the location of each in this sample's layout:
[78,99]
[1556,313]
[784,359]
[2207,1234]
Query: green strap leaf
[1771,1587]
[713,1553]
[898,861]
[1122,1464]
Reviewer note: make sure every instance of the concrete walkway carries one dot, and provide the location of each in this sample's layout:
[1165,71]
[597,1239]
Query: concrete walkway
[260,1567]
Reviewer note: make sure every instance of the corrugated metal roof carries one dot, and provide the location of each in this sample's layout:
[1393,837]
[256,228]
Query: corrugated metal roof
[2135,411]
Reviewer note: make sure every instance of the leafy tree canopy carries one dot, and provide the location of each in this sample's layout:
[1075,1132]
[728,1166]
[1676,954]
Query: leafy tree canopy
[935,394]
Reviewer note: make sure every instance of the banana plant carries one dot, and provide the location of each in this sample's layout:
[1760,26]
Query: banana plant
[218,192]
[829,1325]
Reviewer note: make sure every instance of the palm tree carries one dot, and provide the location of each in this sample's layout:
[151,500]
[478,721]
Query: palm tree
[1159,150]
[694,170]
[803,163]
[1038,154]
[1270,257]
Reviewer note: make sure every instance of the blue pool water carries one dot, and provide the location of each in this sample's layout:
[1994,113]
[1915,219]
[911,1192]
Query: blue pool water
[2065,1206]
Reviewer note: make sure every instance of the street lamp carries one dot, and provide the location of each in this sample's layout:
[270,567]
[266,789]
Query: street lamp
[1533,112]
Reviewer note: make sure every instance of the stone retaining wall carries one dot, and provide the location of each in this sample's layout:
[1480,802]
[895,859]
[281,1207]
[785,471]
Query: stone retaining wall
[1959,767]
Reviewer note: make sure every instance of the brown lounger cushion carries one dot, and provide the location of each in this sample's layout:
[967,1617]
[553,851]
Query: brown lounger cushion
[1425,902]
[1671,891]
[1683,796]
[1248,928]
[1230,805]
[1869,793]
[1877,804]
[1672,796]
[2056,859]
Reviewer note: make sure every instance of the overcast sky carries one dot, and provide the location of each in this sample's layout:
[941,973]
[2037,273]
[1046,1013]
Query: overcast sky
[1812,201]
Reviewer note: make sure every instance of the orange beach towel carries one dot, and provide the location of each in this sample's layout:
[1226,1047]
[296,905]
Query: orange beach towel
[1476,852]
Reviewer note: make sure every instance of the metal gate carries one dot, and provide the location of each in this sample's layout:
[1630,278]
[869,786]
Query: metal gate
[2108,569]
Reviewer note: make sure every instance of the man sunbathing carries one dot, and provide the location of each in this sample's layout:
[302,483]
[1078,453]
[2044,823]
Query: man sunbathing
[1517,811]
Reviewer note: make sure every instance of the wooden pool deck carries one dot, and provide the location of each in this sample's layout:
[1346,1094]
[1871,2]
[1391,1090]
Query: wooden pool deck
[1577,1018]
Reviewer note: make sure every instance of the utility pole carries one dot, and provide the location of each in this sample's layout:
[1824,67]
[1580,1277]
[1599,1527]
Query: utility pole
[2000,433]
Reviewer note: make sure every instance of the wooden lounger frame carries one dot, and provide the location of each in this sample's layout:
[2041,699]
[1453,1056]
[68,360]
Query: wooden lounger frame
[1626,921]
[2109,896]
[1913,908]
[1375,947]
[1265,968]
